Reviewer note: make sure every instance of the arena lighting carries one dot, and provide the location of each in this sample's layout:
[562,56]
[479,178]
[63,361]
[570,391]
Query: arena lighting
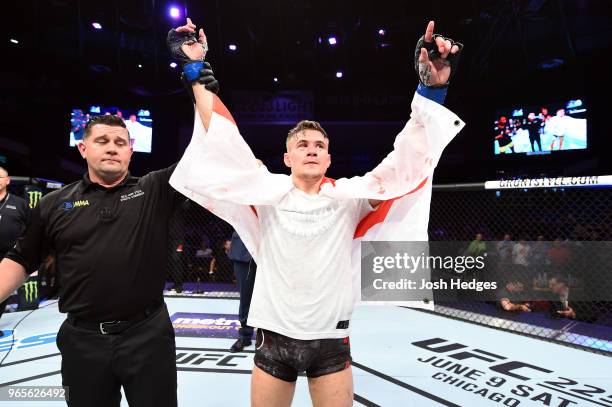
[339,74]
[233,47]
[332,40]
[174,12]
[96,25]
[172,64]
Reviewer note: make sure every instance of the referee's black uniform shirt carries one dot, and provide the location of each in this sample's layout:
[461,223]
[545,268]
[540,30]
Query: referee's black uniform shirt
[110,244]
[13,216]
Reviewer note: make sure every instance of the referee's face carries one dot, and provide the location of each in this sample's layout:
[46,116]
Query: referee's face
[107,150]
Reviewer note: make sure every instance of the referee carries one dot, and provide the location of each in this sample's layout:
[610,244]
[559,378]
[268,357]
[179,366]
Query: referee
[109,235]
[13,216]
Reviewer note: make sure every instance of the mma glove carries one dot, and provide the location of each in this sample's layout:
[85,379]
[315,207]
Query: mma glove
[434,55]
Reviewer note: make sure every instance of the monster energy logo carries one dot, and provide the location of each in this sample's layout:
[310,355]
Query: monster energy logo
[31,290]
[33,198]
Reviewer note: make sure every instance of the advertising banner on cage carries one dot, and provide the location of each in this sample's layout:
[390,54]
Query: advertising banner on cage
[205,325]
[553,182]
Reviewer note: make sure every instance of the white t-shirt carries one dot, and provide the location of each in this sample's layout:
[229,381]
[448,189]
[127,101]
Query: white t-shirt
[303,286]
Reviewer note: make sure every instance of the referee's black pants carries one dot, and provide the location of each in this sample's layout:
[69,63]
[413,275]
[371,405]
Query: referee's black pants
[142,359]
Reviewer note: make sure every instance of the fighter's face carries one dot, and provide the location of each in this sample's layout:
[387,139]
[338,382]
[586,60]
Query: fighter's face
[308,155]
[108,151]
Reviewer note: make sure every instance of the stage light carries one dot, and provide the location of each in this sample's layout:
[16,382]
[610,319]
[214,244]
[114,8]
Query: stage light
[96,25]
[339,74]
[382,32]
[275,79]
[332,40]
[174,12]
[172,64]
[14,41]
[140,65]
[233,47]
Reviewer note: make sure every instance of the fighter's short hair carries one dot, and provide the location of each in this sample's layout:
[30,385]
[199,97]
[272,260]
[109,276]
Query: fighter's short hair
[306,125]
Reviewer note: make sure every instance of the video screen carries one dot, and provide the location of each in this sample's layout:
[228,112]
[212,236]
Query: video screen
[541,129]
[138,123]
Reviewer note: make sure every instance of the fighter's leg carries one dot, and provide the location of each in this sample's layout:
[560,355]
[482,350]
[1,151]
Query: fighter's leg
[268,391]
[332,390]
[273,379]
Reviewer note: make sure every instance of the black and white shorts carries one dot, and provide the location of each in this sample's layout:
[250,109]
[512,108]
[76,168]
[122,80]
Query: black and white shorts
[285,358]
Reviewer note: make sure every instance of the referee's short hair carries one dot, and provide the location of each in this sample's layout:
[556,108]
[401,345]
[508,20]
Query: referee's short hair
[108,119]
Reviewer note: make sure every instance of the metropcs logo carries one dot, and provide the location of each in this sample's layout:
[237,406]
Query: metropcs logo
[505,381]
[205,325]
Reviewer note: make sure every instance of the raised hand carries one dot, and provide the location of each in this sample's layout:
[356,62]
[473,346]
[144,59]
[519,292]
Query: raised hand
[183,44]
[436,58]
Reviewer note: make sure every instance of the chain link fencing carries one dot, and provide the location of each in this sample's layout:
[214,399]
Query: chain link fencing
[551,246]
[198,262]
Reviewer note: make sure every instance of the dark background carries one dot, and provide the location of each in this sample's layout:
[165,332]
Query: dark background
[61,62]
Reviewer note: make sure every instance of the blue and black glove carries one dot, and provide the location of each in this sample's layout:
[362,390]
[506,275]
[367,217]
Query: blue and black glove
[193,71]
[206,78]
[434,54]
